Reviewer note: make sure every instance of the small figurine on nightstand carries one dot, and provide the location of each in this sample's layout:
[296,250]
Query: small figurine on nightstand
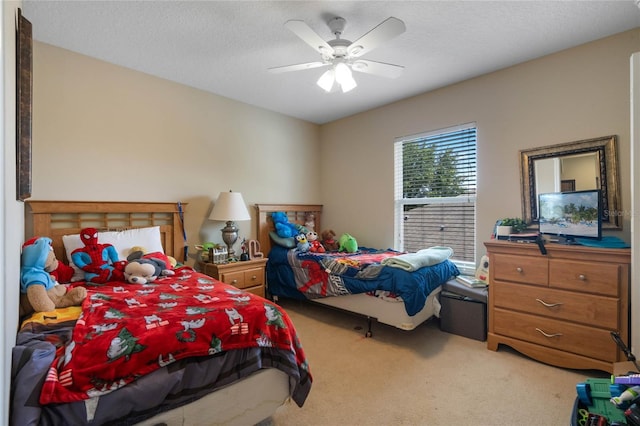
[244,256]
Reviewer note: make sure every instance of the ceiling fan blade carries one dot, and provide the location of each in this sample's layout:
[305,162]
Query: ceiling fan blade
[302,30]
[297,67]
[377,68]
[388,29]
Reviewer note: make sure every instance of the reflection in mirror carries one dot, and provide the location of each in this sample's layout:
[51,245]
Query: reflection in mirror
[574,166]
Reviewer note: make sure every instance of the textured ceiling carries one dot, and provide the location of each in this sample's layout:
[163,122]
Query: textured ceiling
[226,47]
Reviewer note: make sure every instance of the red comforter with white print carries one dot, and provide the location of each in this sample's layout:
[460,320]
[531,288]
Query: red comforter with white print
[129,330]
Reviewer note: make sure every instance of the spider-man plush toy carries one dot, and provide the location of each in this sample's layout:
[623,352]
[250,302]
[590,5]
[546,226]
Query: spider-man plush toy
[99,262]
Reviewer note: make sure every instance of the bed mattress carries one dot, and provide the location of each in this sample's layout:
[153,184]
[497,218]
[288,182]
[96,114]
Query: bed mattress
[384,311]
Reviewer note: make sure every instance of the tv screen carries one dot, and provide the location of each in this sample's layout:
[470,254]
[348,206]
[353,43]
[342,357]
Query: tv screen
[571,215]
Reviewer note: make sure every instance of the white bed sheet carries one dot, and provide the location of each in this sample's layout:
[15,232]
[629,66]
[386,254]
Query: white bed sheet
[242,403]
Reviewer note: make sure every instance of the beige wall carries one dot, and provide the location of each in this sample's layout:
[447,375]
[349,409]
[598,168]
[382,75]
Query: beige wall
[576,94]
[103,132]
[12,212]
[156,140]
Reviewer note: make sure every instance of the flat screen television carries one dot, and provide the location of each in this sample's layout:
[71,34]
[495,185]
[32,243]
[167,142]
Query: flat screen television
[571,215]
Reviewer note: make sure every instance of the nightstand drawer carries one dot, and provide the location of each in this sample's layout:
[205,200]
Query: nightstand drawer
[244,279]
[247,275]
[236,279]
[253,277]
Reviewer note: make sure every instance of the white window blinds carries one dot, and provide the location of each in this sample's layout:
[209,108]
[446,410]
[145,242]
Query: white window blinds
[435,191]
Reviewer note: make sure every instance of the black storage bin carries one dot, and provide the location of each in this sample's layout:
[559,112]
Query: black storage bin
[464,310]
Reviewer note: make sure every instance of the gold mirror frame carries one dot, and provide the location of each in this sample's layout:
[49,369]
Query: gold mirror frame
[606,151]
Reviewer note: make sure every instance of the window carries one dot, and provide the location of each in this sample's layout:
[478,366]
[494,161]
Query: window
[435,191]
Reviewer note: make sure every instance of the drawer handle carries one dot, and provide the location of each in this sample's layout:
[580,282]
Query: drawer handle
[253,278]
[548,305]
[548,335]
[582,277]
[234,281]
[519,269]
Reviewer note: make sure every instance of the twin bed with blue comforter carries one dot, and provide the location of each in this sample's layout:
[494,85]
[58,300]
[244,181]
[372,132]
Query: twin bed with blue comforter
[394,288]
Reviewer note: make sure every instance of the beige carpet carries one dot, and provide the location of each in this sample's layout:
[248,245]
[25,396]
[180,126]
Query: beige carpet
[420,377]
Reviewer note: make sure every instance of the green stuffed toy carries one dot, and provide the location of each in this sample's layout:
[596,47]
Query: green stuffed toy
[347,243]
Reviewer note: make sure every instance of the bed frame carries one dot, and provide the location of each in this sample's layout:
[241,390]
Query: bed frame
[247,401]
[372,308]
[54,219]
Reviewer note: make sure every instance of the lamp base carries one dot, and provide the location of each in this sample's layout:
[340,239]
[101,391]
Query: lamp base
[230,236]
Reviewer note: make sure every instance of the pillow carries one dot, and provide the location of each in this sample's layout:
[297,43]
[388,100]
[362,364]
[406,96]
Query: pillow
[123,241]
[289,242]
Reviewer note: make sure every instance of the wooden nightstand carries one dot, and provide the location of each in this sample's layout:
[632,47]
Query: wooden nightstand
[248,275]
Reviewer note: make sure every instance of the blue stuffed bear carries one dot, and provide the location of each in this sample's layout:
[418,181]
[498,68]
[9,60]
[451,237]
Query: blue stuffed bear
[34,261]
[284,228]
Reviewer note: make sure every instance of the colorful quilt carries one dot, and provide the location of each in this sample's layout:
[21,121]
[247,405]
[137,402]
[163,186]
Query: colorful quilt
[127,331]
[309,275]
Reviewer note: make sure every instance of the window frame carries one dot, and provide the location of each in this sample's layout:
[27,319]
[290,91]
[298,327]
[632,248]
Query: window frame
[400,202]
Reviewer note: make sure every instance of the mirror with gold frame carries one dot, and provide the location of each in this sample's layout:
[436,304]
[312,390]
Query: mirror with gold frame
[573,166]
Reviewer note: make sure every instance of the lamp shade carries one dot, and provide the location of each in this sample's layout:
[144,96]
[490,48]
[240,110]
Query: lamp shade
[229,207]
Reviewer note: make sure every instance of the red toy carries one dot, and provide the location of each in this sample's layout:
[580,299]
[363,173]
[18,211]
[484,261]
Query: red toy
[99,262]
[316,246]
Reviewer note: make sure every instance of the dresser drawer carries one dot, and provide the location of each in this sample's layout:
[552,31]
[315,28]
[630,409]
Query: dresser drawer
[521,269]
[600,278]
[561,335]
[583,308]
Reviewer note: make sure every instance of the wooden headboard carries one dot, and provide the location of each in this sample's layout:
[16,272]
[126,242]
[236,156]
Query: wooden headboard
[54,219]
[296,213]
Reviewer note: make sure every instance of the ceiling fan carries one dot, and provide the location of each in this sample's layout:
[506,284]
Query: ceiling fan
[342,55]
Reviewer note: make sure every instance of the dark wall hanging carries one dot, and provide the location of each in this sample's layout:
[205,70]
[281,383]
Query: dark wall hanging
[24,64]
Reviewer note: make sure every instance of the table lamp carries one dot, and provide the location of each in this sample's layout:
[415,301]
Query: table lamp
[230,207]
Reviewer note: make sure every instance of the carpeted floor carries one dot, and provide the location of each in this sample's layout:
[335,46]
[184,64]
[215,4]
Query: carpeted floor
[420,377]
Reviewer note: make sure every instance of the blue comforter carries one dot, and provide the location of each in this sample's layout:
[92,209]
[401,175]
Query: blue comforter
[307,276]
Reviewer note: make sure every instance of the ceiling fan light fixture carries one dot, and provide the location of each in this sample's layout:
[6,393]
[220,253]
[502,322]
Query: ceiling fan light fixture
[344,77]
[356,50]
[342,55]
[359,66]
[326,80]
[348,85]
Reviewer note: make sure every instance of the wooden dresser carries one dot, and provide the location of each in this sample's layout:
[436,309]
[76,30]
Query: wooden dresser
[559,308]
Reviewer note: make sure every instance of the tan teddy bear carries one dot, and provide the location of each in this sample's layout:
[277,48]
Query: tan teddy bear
[39,291]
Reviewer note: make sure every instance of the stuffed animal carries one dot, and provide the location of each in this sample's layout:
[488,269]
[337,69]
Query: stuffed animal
[169,260]
[328,240]
[283,227]
[159,258]
[347,243]
[39,291]
[60,272]
[315,245]
[143,271]
[100,262]
[302,245]
[310,221]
